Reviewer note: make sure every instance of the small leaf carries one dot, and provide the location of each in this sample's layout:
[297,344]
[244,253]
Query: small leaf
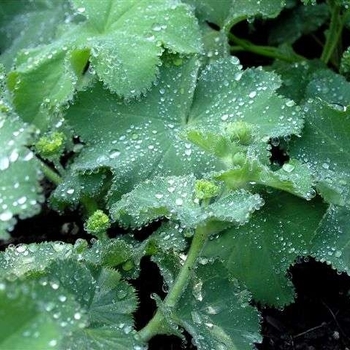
[293,177]
[174,198]
[215,310]
[259,253]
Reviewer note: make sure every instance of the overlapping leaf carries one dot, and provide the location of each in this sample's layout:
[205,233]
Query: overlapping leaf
[173,197]
[111,39]
[325,147]
[228,12]
[215,310]
[143,139]
[331,241]
[259,253]
[301,20]
[19,187]
[25,24]
[65,297]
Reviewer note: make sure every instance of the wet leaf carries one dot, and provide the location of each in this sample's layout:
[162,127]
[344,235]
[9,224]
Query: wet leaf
[69,305]
[226,13]
[143,139]
[45,78]
[174,198]
[259,253]
[325,147]
[331,241]
[215,310]
[25,24]
[20,193]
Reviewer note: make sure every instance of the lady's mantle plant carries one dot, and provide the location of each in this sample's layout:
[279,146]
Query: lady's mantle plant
[159,121]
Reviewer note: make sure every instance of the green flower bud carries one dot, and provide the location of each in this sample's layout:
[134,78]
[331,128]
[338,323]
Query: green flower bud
[205,189]
[239,158]
[241,132]
[51,146]
[97,223]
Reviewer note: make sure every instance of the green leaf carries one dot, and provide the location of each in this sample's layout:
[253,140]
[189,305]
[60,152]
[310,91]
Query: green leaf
[306,80]
[345,63]
[293,177]
[325,147]
[226,13]
[331,241]
[25,24]
[259,253]
[302,20]
[40,88]
[143,139]
[173,198]
[45,77]
[215,310]
[64,303]
[20,193]
[75,187]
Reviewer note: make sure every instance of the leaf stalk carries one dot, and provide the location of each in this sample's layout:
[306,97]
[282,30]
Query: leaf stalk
[157,325]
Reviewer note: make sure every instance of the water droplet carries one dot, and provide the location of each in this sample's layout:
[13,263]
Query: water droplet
[4,163]
[6,216]
[252,94]
[338,254]
[288,167]
[179,201]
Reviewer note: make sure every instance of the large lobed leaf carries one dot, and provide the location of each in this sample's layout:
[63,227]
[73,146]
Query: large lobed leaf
[52,297]
[215,310]
[259,253]
[143,139]
[111,40]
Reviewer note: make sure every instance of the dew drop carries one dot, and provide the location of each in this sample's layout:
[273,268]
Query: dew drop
[6,216]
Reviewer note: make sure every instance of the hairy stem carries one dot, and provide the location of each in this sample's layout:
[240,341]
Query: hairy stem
[157,325]
[50,174]
[267,51]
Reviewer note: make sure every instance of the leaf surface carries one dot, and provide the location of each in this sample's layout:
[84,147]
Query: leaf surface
[259,253]
[45,78]
[325,147]
[226,13]
[331,241]
[173,197]
[144,138]
[63,302]
[215,310]
[25,24]
[20,193]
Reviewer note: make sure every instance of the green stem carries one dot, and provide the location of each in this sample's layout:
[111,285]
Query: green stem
[157,325]
[50,174]
[334,33]
[267,51]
